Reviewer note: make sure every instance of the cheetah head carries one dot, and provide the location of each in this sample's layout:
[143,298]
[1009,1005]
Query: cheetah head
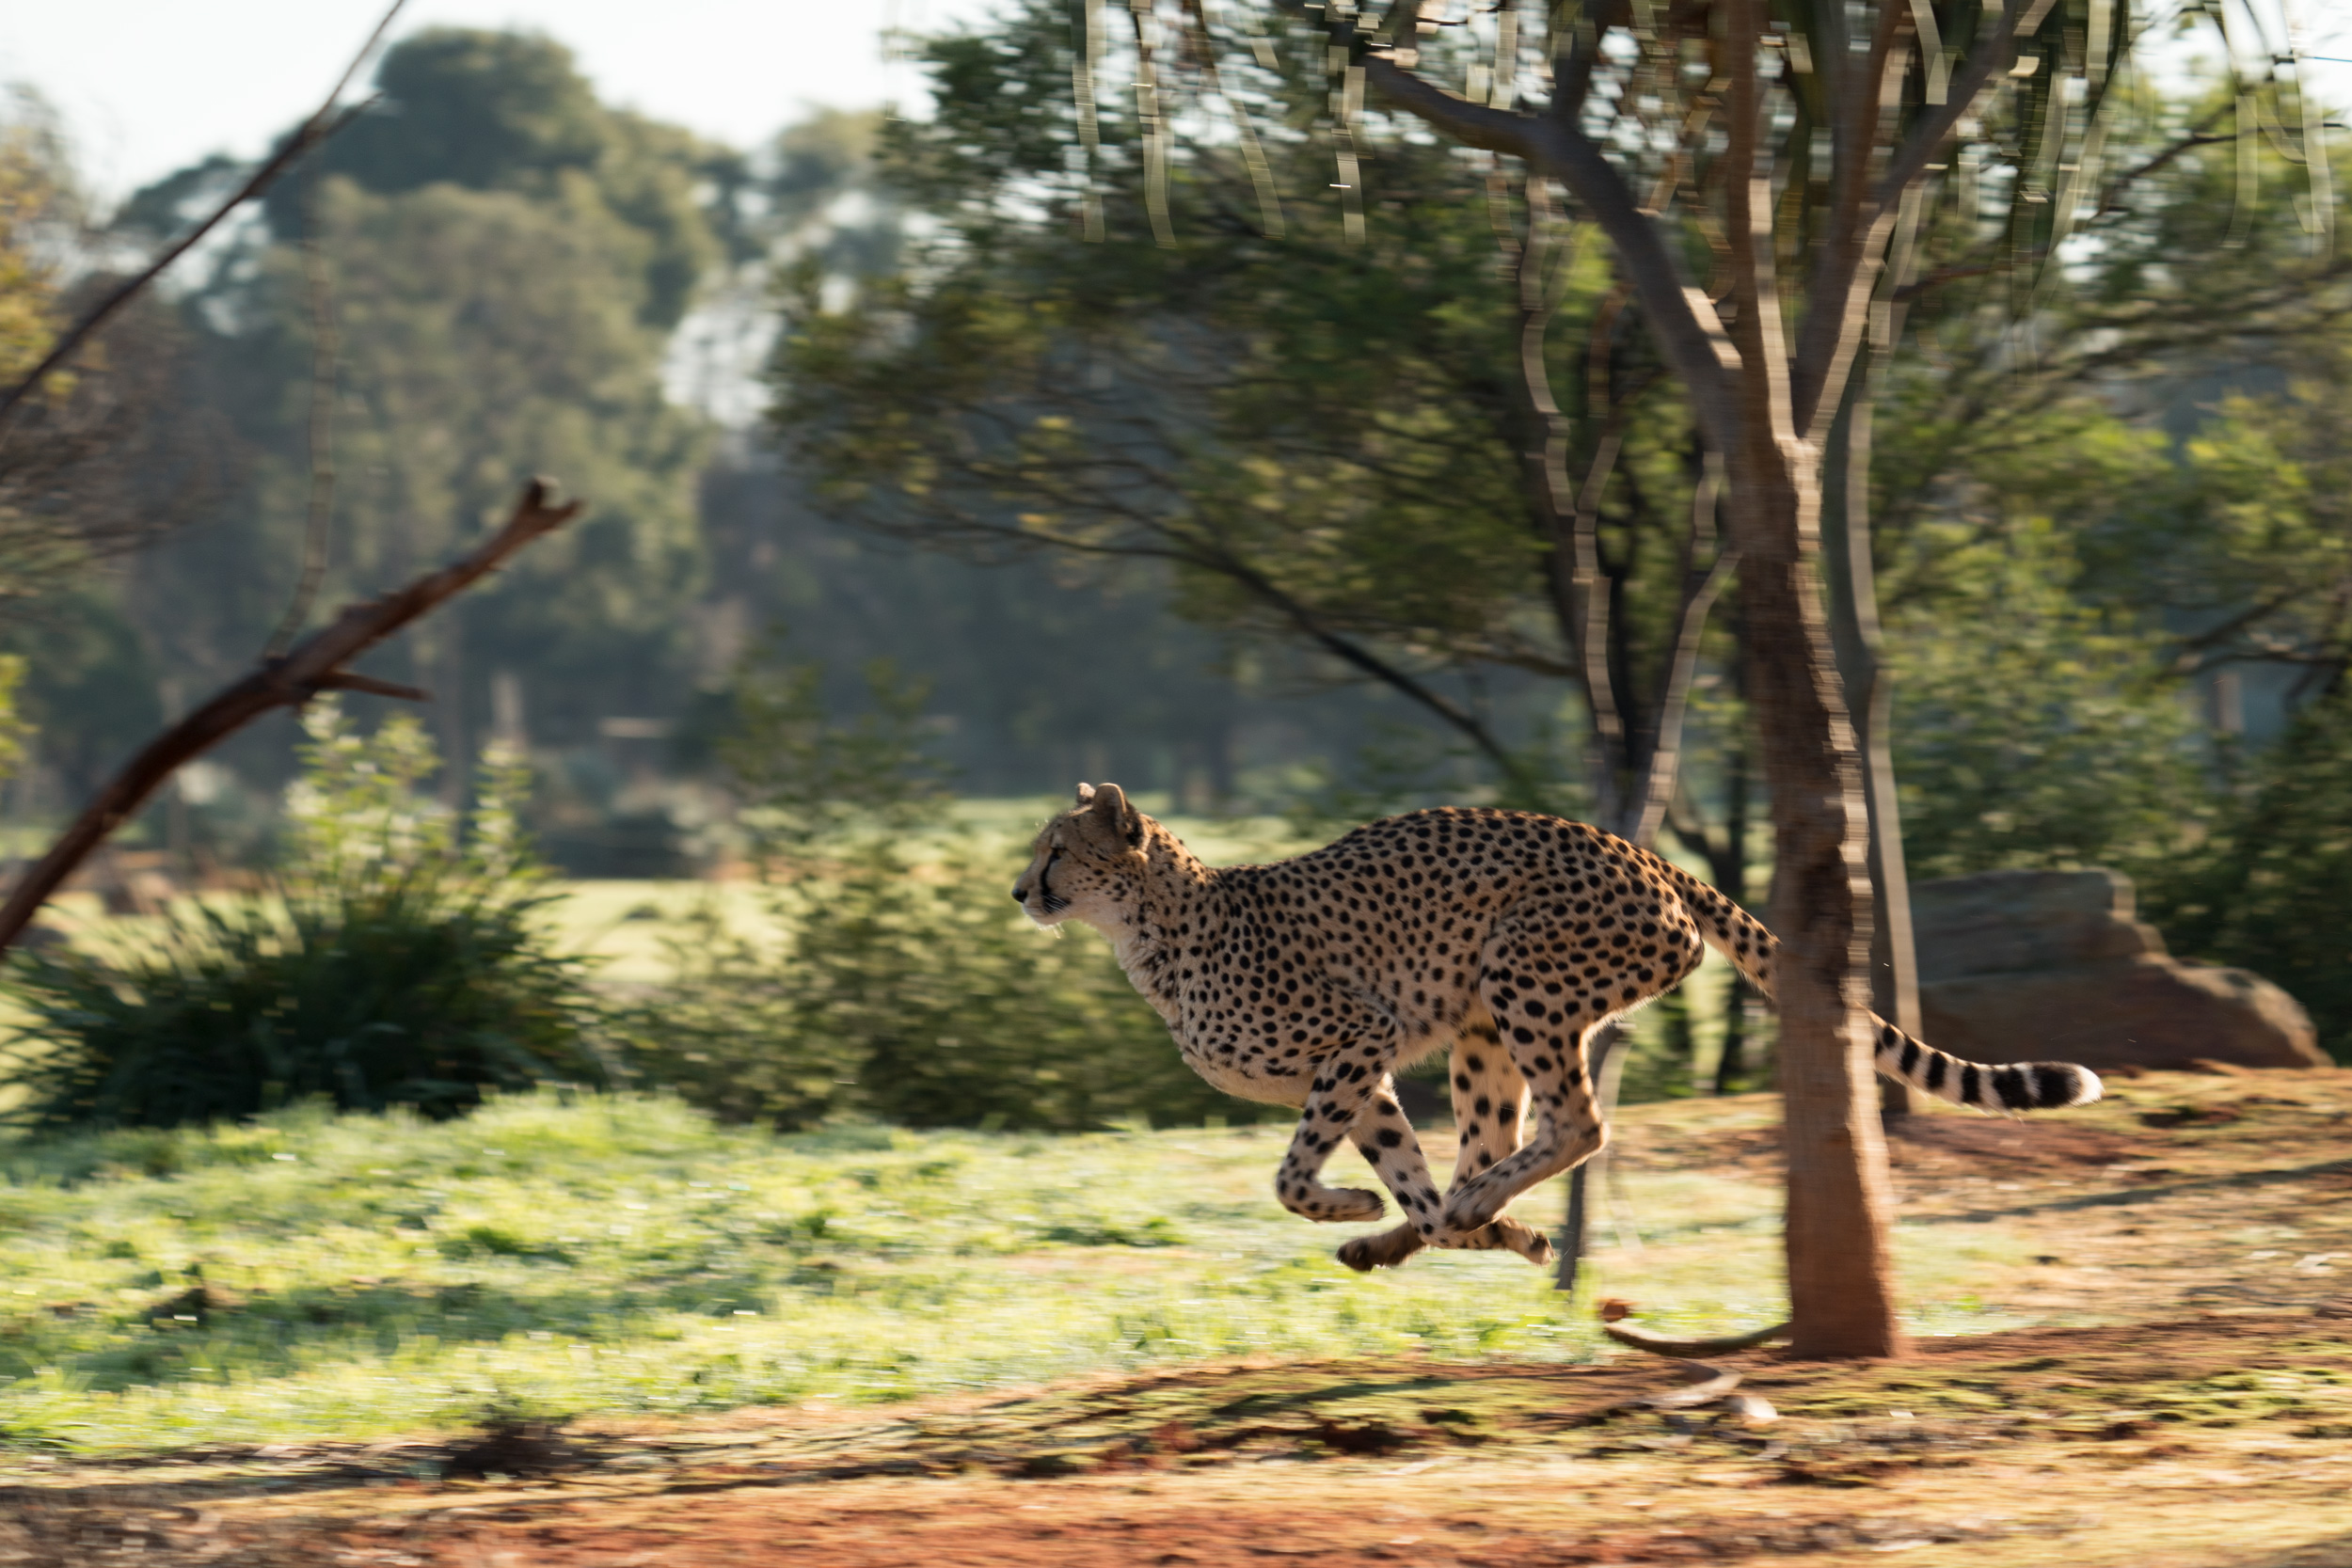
[1088,863]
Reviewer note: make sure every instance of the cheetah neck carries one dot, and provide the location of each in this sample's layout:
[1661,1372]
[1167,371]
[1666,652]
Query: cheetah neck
[1172,908]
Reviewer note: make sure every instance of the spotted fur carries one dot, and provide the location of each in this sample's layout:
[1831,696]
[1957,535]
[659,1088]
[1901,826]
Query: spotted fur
[1508,936]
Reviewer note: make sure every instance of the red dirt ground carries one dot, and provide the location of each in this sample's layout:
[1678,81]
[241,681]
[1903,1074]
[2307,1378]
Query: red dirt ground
[2216,1430]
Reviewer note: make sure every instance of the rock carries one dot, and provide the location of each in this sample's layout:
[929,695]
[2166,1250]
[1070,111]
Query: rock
[2019,966]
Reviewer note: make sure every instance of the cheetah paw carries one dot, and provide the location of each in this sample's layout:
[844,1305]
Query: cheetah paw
[1383,1251]
[1528,1243]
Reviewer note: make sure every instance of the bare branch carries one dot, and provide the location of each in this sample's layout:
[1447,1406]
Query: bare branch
[1661,773]
[1845,272]
[314,665]
[1363,659]
[1566,154]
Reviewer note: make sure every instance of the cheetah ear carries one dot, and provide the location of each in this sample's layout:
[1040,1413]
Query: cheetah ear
[1110,804]
[1086,795]
[1109,820]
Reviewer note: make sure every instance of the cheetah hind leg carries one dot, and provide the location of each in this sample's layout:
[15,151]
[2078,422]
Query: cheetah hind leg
[1489,1107]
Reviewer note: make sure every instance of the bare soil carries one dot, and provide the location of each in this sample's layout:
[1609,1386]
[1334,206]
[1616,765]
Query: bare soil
[2206,1420]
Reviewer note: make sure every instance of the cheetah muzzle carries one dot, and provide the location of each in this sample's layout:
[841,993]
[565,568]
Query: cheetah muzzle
[1507,937]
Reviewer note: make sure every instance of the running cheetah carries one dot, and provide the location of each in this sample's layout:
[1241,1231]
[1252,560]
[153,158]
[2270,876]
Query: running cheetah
[1307,983]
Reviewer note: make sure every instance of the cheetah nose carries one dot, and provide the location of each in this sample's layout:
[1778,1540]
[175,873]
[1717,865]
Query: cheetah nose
[1020,893]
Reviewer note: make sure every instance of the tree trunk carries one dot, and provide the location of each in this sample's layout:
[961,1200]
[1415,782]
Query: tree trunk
[1840,1203]
[1854,630]
[1731,872]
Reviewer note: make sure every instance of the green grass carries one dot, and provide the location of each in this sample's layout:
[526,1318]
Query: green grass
[624,1253]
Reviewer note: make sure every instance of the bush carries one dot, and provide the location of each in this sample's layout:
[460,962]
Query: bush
[906,987]
[2030,735]
[916,993]
[2267,890]
[386,968]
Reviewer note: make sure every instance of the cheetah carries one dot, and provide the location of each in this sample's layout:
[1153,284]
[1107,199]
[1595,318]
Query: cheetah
[1506,936]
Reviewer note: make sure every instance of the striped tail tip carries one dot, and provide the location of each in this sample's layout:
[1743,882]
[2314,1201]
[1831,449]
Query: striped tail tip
[2001,1090]
[2086,1085]
[2026,1087]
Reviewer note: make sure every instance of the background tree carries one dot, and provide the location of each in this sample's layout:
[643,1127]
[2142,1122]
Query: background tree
[95,461]
[1327,443]
[499,291]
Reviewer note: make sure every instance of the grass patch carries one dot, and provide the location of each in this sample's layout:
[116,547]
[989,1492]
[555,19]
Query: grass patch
[366,1276]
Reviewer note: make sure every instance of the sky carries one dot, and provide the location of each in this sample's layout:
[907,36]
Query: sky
[146,86]
[149,86]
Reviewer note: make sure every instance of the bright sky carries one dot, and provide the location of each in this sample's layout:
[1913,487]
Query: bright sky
[148,85]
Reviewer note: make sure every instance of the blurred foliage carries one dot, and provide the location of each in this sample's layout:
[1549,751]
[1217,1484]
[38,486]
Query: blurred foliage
[388,967]
[2089,519]
[503,259]
[905,985]
[31,193]
[87,466]
[2035,731]
[1321,432]
[2267,890]
[510,112]
[14,731]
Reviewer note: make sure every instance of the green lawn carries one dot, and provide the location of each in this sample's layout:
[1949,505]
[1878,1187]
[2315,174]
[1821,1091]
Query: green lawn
[625,1254]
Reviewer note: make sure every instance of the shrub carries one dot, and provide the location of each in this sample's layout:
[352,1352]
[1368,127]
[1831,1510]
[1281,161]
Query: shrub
[386,968]
[2029,733]
[906,985]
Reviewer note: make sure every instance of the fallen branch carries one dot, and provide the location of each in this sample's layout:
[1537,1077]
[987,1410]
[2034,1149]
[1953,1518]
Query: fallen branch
[314,665]
[1684,1349]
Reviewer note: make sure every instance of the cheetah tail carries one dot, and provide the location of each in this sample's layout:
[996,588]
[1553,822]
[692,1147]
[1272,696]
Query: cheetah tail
[2026,1086]
[2022,1087]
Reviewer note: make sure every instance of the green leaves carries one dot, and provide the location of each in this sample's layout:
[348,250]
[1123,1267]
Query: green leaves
[2266,889]
[892,977]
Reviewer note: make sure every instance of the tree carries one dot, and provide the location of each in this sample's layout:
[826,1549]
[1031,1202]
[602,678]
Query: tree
[2141,518]
[2265,888]
[87,466]
[1703,147]
[423,316]
[1327,443]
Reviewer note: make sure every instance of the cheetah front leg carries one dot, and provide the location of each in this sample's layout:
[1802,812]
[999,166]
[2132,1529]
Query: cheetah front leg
[1385,1137]
[1489,1104]
[1352,1084]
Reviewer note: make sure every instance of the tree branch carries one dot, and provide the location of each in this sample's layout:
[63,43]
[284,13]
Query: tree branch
[1845,272]
[1563,152]
[314,665]
[1371,664]
[1661,773]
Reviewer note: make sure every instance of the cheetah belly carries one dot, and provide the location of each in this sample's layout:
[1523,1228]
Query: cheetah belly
[1268,1084]
[1271,1059]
